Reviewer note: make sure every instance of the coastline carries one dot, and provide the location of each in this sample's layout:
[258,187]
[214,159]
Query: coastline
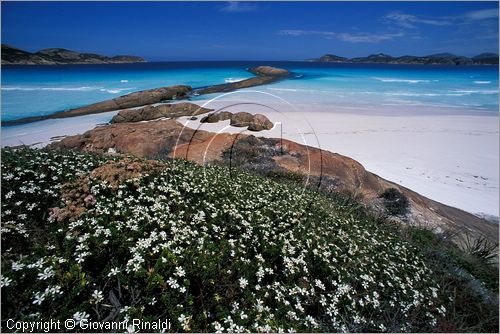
[422,152]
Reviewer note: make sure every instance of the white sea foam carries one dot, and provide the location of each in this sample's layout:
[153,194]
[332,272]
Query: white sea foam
[400,80]
[64,89]
[283,89]
[230,80]
[114,90]
[299,90]
[479,82]
[425,94]
[123,80]
[85,88]
[471,91]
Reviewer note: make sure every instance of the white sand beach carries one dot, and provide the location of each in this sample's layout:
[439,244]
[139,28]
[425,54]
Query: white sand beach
[453,159]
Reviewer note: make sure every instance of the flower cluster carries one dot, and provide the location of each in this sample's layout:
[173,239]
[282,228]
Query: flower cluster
[209,249]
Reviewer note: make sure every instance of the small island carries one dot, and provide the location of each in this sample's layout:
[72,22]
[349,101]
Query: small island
[58,56]
[435,59]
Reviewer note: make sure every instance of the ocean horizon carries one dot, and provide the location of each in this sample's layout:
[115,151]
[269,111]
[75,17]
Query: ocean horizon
[37,90]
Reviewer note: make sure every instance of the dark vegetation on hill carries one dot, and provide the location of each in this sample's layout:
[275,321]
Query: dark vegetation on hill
[217,248]
[58,56]
[435,59]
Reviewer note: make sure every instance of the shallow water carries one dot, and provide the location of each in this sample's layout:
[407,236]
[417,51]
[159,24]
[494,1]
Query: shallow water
[41,90]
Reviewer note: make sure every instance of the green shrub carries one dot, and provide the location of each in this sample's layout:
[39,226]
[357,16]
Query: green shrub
[395,202]
[207,247]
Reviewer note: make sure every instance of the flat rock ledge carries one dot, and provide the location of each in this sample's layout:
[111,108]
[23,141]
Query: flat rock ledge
[257,122]
[148,113]
[132,100]
[264,75]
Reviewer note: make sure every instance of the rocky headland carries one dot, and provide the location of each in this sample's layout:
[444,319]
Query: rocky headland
[319,169]
[435,59]
[58,56]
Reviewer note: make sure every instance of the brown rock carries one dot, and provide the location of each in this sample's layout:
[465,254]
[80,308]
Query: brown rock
[169,138]
[143,139]
[132,100]
[265,75]
[241,119]
[255,122]
[217,117]
[259,123]
[269,71]
[154,112]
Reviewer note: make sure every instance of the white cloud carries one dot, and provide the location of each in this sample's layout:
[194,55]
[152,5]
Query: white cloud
[239,7]
[409,21]
[344,36]
[483,14]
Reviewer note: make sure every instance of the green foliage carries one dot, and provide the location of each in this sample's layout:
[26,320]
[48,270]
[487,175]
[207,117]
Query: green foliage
[207,247]
[480,248]
[468,283]
[395,202]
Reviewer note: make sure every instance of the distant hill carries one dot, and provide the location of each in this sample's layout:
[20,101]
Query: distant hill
[435,59]
[57,56]
[332,58]
[486,58]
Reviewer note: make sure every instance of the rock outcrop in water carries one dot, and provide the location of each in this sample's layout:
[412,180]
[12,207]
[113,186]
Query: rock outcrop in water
[132,100]
[269,71]
[58,56]
[326,170]
[172,110]
[265,75]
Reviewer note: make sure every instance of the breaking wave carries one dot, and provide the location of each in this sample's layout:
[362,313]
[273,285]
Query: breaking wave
[114,90]
[230,80]
[401,80]
[85,88]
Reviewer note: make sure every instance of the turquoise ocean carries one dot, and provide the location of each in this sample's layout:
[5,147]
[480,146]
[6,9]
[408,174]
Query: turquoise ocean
[41,90]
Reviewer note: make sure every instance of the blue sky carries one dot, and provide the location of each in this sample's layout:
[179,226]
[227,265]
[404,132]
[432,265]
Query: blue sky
[253,30]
